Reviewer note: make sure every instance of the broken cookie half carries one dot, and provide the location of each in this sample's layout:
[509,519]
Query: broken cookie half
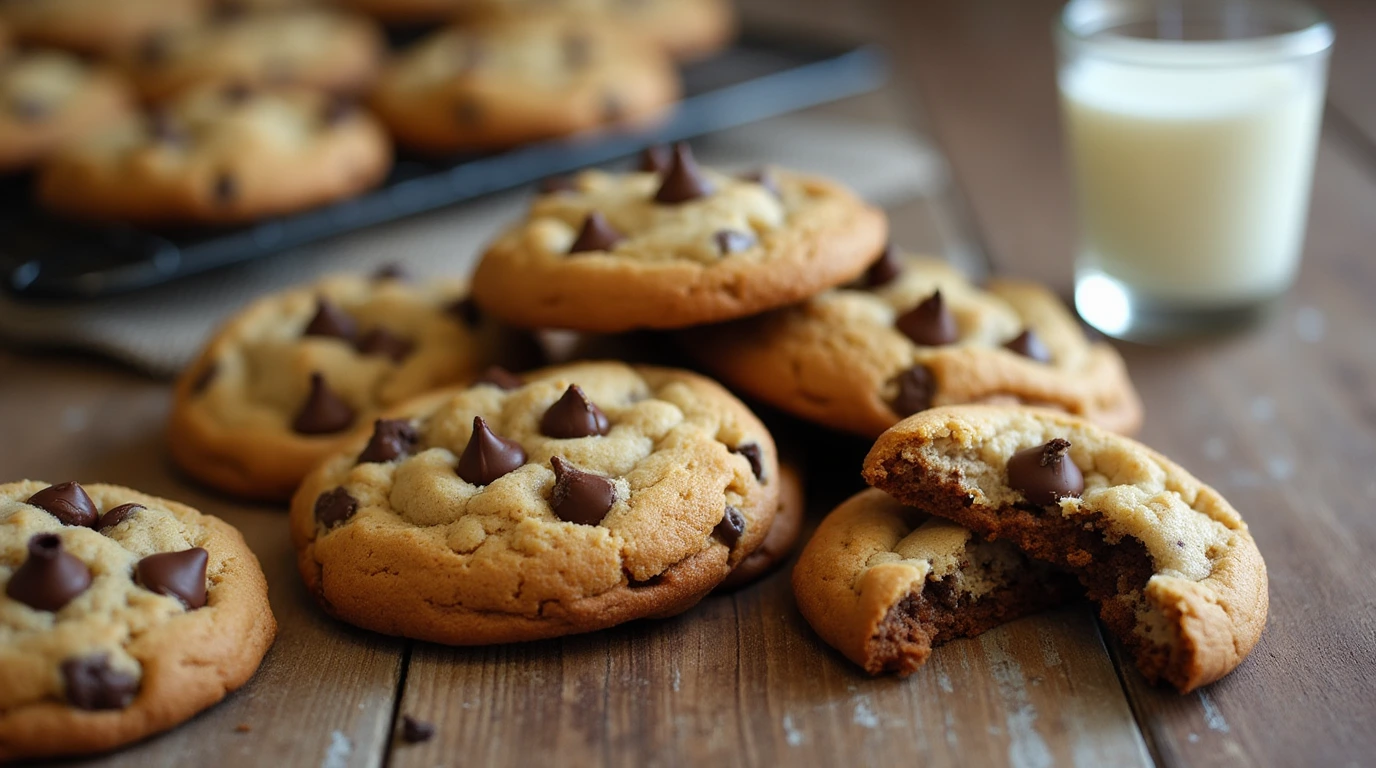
[1170,564]
[884,583]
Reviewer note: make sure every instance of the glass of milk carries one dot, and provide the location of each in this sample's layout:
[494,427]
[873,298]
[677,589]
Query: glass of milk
[1192,126]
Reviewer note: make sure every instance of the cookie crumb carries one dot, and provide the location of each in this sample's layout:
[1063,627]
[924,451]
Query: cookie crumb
[243,728]
[415,731]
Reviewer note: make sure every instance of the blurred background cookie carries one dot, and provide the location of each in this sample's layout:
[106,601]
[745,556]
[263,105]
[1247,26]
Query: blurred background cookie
[49,98]
[688,29]
[97,26]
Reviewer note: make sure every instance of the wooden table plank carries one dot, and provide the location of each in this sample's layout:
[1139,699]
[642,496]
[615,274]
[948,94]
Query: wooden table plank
[325,693]
[1282,420]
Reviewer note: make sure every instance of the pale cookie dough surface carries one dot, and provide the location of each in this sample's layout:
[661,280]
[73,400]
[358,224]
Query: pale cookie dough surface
[670,271]
[686,28]
[432,556]
[511,82]
[105,27]
[309,47]
[882,583]
[220,155]
[49,99]
[234,430]
[837,358]
[1175,572]
[183,659]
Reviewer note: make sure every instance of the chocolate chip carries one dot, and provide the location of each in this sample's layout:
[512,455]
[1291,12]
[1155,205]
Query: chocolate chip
[382,342]
[596,235]
[578,496]
[731,527]
[176,574]
[656,159]
[165,129]
[613,111]
[731,241]
[338,109]
[752,454]
[330,320]
[236,93]
[324,412]
[468,111]
[30,109]
[764,178]
[684,180]
[487,456]
[466,310]
[390,271]
[68,503]
[916,389]
[499,377]
[333,508]
[204,378]
[1045,474]
[577,51]
[884,270]
[226,189]
[556,184]
[92,684]
[153,50]
[117,515]
[392,439]
[415,731]
[1029,344]
[50,578]
[573,415]
[929,323]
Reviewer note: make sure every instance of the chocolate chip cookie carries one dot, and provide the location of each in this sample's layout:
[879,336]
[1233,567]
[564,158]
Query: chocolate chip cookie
[567,500]
[122,615]
[914,333]
[49,99]
[290,379]
[884,583]
[512,82]
[220,155]
[1169,562]
[674,245]
[782,537]
[310,47]
[688,29]
[97,26]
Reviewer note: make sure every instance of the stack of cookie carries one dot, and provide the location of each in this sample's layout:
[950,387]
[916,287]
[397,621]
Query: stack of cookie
[250,107]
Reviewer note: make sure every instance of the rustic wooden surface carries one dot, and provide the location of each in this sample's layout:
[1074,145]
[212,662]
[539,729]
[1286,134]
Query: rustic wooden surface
[1282,420]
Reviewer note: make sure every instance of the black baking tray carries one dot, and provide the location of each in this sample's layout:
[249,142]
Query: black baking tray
[45,257]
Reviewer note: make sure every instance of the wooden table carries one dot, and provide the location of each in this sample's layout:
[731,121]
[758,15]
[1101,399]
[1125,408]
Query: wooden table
[1282,420]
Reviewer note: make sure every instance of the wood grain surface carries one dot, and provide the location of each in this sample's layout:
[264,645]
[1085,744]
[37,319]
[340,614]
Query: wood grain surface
[1281,419]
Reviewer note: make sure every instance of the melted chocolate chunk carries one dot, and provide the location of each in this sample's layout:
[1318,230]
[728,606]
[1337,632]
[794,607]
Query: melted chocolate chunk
[578,496]
[884,270]
[91,684]
[930,323]
[573,415]
[324,412]
[1029,344]
[176,574]
[382,342]
[916,389]
[391,440]
[752,454]
[596,235]
[117,515]
[731,527]
[1044,474]
[499,377]
[487,456]
[226,189]
[68,503]
[466,310]
[656,159]
[50,578]
[334,507]
[330,320]
[684,180]
[731,241]
[415,731]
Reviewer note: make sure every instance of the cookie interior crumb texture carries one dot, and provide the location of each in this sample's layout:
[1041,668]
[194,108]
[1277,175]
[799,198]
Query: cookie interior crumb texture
[884,583]
[126,655]
[1171,565]
[409,546]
